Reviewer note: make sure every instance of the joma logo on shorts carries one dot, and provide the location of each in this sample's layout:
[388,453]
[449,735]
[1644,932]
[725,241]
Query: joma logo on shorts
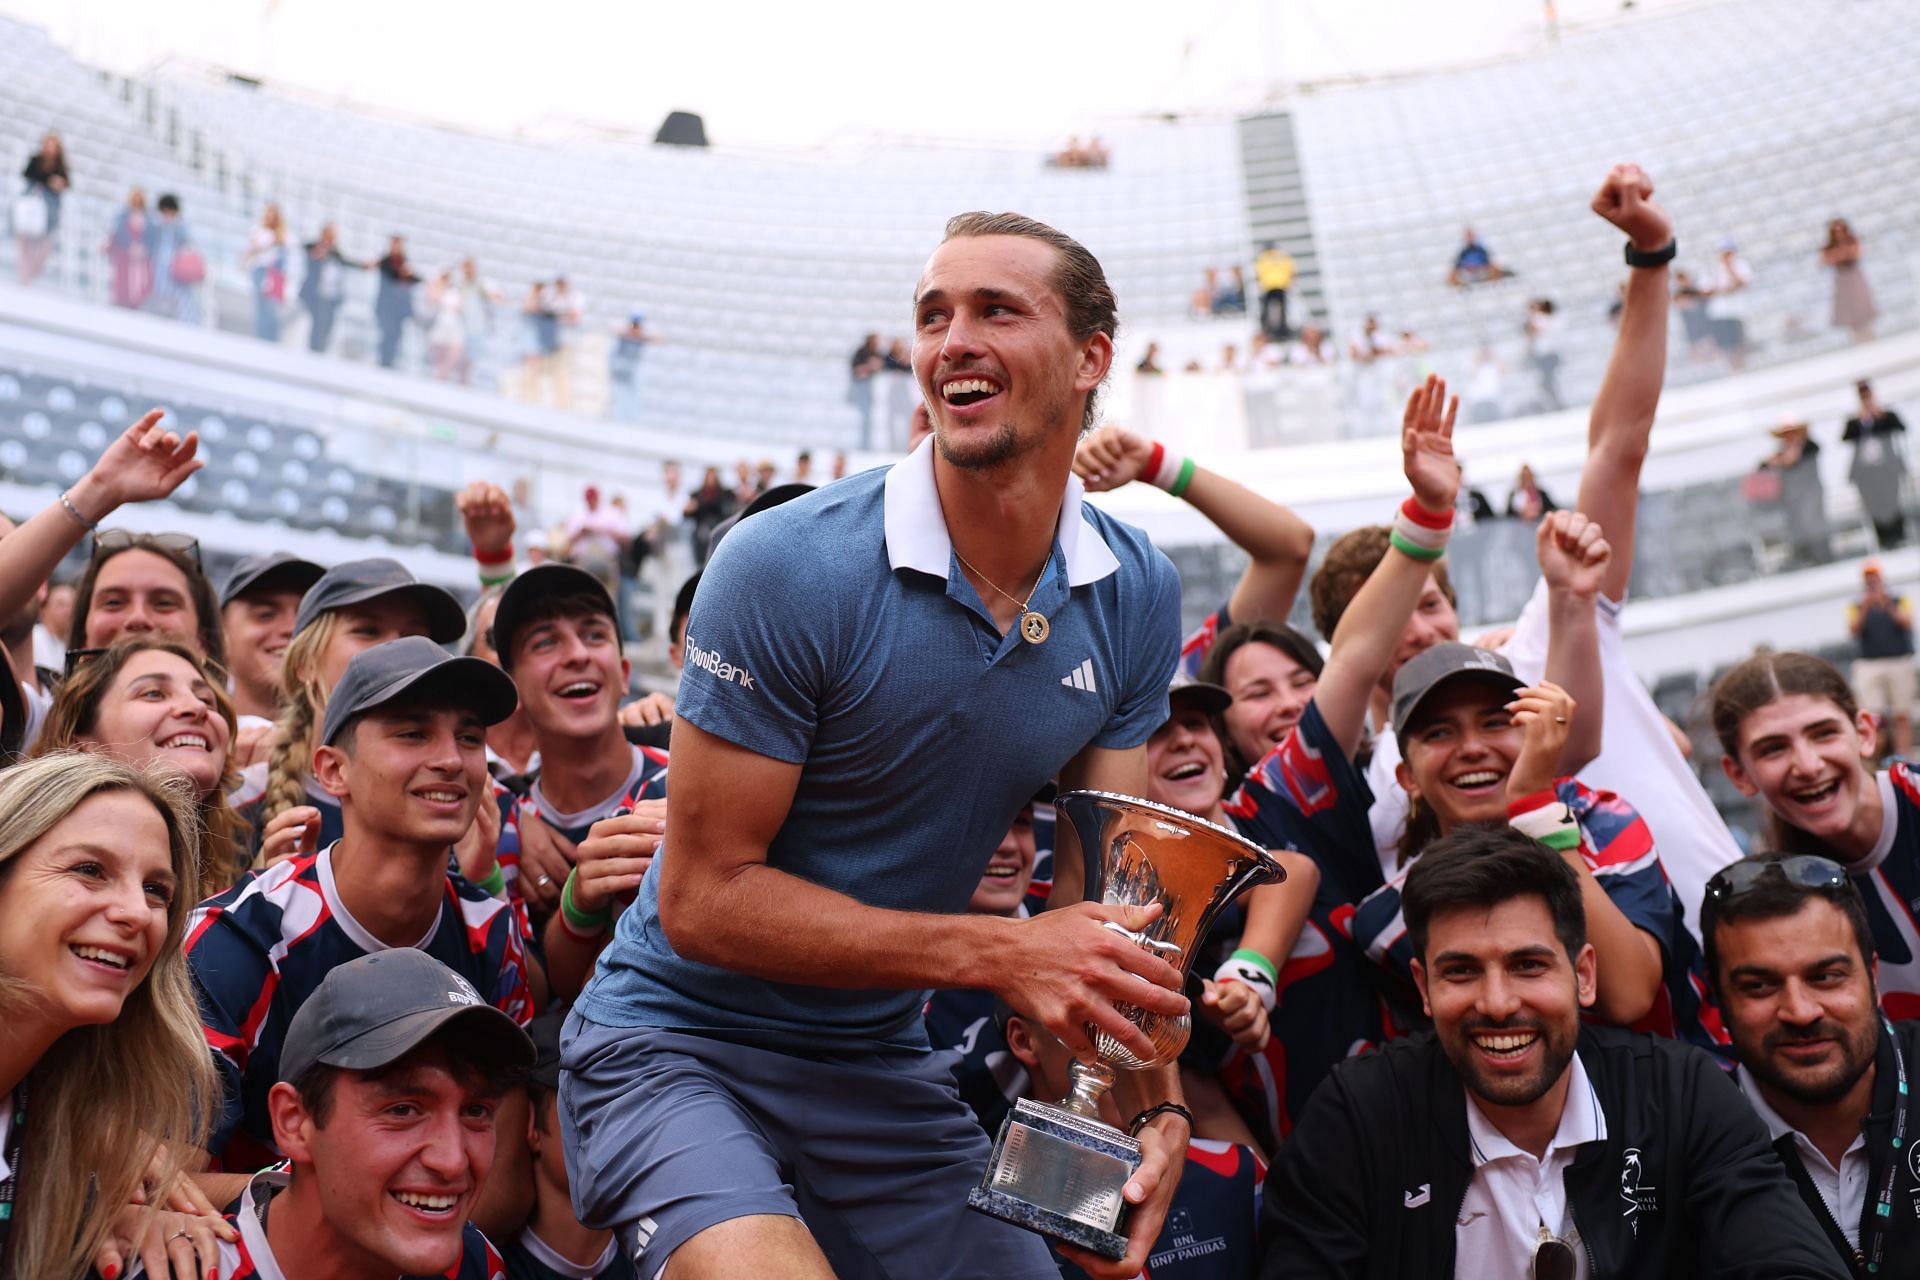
[710,662]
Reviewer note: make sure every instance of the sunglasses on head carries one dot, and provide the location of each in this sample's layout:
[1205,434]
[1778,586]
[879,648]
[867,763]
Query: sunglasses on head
[77,658]
[112,540]
[1807,870]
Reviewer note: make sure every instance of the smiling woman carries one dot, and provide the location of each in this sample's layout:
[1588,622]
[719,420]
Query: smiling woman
[103,1037]
[155,702]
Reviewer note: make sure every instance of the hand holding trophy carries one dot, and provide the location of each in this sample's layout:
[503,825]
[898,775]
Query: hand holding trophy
[1058,1168]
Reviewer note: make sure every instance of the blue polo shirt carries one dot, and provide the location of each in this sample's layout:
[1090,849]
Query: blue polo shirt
[838,632]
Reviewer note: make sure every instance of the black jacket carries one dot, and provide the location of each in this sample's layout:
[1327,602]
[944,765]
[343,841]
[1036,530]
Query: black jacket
[1901,1257]
[1685,1184]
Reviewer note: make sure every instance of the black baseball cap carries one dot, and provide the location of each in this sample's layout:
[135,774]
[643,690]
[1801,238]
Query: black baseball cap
[371,1012]
[544,1031]
[415,667]
[1211,698]
[775,496]
[535,584]
[358,581]
[274,569]
[1447,661]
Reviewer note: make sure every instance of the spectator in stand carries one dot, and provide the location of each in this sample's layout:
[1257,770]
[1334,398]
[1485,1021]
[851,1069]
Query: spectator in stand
[1411,344]
[47,181]
[568,307]
[1727,304]
[1690,300]
[1474,263]
[479,297]
[1506,1142]
[403,749]
[1370,342]
[1791,959]
[868,360]
[1273,272]
[1801,493]
[623,368]
[129,250]
[1485,397]
[1230,359]
[1853,305]
[324,286]
[539,333]
[1883,674]
[179,268]
[1528,501]
[393,302]
[446,327]
[1230,295]
[156,704]
[1879,469]
[1543,329]
[1311,347]
[1150,361]
[265,263]
[106,1080]
[1795,738]
[594,539]
[669,546]
[553,1245]
[51,631]
[839,471]
[705,509]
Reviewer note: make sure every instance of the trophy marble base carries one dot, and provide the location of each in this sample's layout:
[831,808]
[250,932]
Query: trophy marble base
[1060,1174]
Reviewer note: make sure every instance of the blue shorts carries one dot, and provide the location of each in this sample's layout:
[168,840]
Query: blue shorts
[668,1133]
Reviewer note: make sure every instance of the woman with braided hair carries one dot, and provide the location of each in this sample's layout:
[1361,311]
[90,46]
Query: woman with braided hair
[354,606]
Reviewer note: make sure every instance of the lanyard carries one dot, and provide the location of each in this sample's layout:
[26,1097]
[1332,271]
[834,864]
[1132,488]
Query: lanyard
[12,1180]
[1873,1245]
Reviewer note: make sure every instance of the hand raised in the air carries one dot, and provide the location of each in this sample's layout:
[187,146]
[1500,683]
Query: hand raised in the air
[145,463]
[1426,445]
[1574,554]
[487,512]
[1626,200]
[1111,457]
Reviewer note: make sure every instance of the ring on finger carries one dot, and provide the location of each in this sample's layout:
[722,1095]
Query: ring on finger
[543,880]
[1559,719]
[182,1234]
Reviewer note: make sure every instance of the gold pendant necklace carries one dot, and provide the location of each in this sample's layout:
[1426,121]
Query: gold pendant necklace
[1033,625]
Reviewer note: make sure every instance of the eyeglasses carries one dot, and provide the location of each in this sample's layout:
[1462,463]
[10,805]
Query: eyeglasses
[1810,871]
[112,540]
[77,658]
[1553,1258]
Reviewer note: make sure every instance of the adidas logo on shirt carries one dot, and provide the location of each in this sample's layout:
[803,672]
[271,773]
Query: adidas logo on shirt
[1081,677]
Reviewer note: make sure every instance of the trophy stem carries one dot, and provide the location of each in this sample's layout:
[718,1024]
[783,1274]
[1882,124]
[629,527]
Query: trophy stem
[1090,1083]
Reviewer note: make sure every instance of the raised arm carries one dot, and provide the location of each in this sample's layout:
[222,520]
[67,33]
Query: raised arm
[1369,631]
[1277,542]
[146,463]
[1575,560]
[1623,409]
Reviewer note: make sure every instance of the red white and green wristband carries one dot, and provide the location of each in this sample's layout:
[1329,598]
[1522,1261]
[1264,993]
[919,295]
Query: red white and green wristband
[1420,533]
[1546,817]
[1254,969]
[1168,470]
[495,567]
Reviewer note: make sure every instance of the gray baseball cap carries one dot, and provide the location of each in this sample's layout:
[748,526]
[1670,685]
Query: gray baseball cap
[1447,661]
[1210,698]
[416,668]
[371,1012]
[275,568]
[358,581]
[536,583]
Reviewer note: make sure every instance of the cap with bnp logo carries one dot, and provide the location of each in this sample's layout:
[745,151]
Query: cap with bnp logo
[416,669]
[1444,662]
[371,1012]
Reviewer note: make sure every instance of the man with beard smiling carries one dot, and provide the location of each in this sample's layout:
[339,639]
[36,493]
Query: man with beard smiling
[1791,957]
[1511,1140]
[879,675]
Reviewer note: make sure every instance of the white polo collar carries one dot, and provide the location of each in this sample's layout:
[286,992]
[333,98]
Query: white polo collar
[917,528]
[1581,1121]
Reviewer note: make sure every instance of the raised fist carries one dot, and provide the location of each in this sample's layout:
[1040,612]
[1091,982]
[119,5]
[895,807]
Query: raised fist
[1574,554]
[1111,457]
[487,513]
[1626,200]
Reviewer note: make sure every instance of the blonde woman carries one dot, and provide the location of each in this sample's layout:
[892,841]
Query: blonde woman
[156,701]
[266,265]
[105,1079]
[353,606]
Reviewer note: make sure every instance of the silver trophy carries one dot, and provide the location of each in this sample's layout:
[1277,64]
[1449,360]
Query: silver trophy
[1058,1168]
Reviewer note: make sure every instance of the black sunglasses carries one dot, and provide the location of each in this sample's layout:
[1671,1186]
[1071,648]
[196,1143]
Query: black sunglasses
[112,540]
[1810,871]
[77,658]
[1553,1258]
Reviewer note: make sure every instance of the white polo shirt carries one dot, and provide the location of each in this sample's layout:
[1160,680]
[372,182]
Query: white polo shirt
[1842,1190]
[1512,1194]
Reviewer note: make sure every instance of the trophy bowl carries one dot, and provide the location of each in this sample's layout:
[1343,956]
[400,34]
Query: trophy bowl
[1057,1168]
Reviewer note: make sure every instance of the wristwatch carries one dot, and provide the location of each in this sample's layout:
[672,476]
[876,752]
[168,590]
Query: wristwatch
[1657,258]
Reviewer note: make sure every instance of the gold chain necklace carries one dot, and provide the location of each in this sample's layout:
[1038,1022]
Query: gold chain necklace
[1033,625]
